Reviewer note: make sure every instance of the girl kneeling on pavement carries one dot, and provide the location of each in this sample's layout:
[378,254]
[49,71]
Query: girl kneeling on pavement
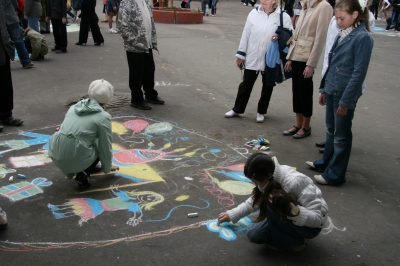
[308,210]
[85,137]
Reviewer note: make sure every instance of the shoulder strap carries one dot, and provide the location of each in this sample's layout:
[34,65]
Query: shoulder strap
[281,14]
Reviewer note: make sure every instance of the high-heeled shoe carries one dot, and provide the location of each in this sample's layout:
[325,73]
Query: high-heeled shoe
[99,43]
[80,43]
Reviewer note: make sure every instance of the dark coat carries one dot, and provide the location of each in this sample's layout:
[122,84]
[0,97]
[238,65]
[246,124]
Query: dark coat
[6,45]
[57,9]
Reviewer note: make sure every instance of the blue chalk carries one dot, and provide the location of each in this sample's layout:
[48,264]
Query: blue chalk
[21,176]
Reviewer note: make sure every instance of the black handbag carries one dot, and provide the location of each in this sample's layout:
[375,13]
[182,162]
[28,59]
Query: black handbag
[285,36]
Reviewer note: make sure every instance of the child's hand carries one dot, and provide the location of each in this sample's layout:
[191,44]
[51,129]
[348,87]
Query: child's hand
[239,62]
[223,217]
[114,168]
[322,99]
[63,20]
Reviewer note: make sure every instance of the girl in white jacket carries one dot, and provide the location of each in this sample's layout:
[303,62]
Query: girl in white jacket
[308,214]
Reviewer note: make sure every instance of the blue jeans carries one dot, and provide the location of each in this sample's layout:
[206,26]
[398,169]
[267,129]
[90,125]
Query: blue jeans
[338,144]
[15,32]
[395,19]
[188,4]
[214,7]
[280,232]
[33,23]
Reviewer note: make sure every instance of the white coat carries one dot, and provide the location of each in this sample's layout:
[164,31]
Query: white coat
[256,36]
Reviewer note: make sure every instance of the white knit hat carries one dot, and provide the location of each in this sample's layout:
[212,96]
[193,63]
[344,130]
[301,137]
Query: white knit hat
[101,91]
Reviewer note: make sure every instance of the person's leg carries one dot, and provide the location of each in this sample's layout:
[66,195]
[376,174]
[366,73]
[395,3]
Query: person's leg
[306,98]
[94,26]
[6,91]
[110,19]
[265,98]
[136,72]
[56,32]
[84,25]
[244,91]
[63,36]
[260,233]
[297,76]
[396,21]
[330,114]
[15,32]
[148,76]
[33,23]
[389,22]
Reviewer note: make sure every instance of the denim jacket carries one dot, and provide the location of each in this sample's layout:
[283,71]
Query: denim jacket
[348,67]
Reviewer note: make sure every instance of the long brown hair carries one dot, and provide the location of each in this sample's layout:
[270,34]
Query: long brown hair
[350,6]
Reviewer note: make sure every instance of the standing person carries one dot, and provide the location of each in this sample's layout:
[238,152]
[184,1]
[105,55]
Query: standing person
[32,13]
[57,12]
[44,24]
[341,87]
[305,50]
[395,16]
[306,211]
[257,36]
[89,17]
[15,32]
[112,10]
[137,29]
[6,89]
[375,7]
[85,137]
[385,5]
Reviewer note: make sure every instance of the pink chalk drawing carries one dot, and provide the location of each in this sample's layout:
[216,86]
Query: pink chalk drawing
[137,156]
[24,189]
[136,125]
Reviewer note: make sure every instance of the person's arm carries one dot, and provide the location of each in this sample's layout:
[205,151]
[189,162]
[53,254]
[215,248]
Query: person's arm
[324,18]
[361,63]
[64,11]
[287,22]
[241,53]
[241,211]
[105,143]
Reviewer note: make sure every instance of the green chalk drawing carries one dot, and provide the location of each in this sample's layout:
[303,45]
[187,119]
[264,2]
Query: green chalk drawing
[4,171]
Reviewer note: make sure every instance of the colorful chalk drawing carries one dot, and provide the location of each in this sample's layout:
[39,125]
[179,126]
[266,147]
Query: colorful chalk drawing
[166,171]
[24,189]
[227,231]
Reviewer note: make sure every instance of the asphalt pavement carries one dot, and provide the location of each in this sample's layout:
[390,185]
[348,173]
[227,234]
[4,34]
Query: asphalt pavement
[186,157]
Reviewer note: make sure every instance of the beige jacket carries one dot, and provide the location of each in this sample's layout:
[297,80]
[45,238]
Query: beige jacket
[38,43]
[310,35]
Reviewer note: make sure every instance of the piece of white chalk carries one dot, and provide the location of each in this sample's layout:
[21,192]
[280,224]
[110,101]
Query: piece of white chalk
[10,179]
[193,214]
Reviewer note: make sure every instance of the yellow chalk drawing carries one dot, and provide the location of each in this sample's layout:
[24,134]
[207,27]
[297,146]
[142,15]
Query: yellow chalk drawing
[182,198]
[118,128]
[141,171]
[232,186]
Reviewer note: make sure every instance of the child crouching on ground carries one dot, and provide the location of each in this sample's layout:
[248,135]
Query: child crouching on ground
[285,227]
[35,44]
[85,137]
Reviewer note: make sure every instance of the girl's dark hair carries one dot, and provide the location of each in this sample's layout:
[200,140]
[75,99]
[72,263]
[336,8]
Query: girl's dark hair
[261,167]
[350,6]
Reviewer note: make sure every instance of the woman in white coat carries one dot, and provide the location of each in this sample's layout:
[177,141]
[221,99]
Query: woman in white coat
[258,33]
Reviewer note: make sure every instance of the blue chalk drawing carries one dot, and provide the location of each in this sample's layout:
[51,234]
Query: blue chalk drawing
[227,231]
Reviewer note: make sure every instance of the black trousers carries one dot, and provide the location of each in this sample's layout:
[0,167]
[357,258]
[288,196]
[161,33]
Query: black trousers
[89,17]
[374,9]
[244,91]
[6,90]
[141,73]
[91,169]
[302,89]
[60,34]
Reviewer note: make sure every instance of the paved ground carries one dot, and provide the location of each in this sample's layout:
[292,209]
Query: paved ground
[186,157]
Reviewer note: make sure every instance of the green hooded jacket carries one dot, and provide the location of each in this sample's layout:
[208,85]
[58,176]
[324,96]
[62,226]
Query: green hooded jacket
[84,136]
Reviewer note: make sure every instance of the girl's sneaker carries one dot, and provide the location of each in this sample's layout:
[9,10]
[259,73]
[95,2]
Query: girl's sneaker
[3,219]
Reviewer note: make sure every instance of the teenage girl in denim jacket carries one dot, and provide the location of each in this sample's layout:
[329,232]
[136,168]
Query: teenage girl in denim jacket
[342,86]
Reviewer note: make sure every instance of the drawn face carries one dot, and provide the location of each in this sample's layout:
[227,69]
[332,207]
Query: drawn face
[344,19]
[148,198]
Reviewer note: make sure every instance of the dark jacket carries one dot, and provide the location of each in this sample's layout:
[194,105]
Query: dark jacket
[9,7]
[57,9]
[396,7]
[89,3]
[33,8]
[6,45]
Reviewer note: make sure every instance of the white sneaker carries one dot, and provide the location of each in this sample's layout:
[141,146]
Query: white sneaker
[230,114]
[112,31]
[260,118]
[320,180]
[115,29]
[311,164]
[3,219]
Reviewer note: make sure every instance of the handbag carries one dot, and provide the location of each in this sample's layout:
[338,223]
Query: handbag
[284,40]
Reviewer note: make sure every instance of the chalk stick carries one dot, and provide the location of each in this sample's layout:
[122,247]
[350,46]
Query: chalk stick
[10,179]
[193,214]
[21,176]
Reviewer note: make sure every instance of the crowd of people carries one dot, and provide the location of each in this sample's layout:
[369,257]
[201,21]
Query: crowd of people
[291,207]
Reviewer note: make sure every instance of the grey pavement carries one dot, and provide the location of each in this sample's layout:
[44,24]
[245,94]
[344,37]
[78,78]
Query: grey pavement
[185,157]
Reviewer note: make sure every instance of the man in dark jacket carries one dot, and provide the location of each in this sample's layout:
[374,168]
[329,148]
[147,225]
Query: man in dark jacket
[6,88]
[15,32]
[57,12]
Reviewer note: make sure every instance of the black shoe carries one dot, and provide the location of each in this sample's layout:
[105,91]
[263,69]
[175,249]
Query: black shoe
[142,105]
[321,150]
[11,121]
[82,180]
[80,43]
[55,48]
[99,43]
[291,133]
[61,51]
[320,144]
[156,100]
[305,134]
